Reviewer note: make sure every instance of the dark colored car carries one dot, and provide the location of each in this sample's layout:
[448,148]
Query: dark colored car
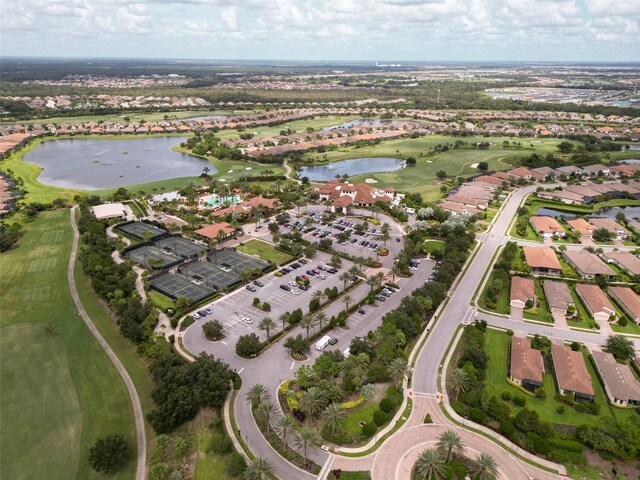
[398,239]
[258,283]
[295,265]
[362,311]
[286,288]
[332,270]
[302,261]
[251,288]
[333,341]
[380,298]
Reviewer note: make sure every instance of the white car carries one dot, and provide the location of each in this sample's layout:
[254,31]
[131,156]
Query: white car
[247,320]
[293,284]
[195,316]
[321,276]
[413,269]
[295,292]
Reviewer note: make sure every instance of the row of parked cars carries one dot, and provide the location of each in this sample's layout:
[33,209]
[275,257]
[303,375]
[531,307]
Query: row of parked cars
[201,313]
[385,293]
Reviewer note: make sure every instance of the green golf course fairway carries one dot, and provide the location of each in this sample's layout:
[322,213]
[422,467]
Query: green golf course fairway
[60,392]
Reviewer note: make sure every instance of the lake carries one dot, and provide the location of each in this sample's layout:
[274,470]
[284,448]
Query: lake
[355,166]
[95,164]
[629,161]
[208,117]
[367,122]
[630,213]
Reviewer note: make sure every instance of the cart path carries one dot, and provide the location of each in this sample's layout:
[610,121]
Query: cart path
[141,469]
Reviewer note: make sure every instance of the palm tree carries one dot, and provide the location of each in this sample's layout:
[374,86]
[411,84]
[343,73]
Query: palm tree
[459,381]
[385,237]
[311,401]
[266,324]
[347,299]
[284,426]
[430,465]
[258,394]
[258,469]
[308,323]
[354,271]
[398,369]
[372,282]
[450,445]
[345,277]
[267,410]
[484,467]
[333,416]
[318,295]
[283,318]
[321,318]
[305,437]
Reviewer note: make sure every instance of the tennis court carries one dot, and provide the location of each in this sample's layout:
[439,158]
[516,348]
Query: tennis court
[144,254]
[175,285]
[139,229]
[210,274]
[180,247]
[236,261]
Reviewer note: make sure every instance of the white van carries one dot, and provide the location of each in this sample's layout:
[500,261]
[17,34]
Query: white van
[347,352]
[323,342]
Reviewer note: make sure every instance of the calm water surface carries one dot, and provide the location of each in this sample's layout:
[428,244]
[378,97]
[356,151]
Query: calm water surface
[355,166]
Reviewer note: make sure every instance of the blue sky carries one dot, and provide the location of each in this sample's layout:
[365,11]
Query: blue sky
[423,30]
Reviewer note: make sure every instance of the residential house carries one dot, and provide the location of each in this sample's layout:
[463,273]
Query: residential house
[546,227]
[526,365]
[522,291]
[618,230]
[542,261]
[596,301]
[581,226]
[619,382]
[588,264]
[625,260]
[546,172]
[597,170]
[569,170]
[558,295]
[216,231]
[569,198]
[628,300]
[571,372]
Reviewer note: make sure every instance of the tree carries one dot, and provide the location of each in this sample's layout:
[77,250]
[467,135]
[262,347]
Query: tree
[318,295]
[441,174]
[297,344]
[450,445]
[484,467]
[603,235]
[347,299]
[483,166]
[284,318]
[305,437]
[459,381]
[258,469]
[285,425]
[335,261]
[248,345]
[312,401]
[211,378]
[109,453]
[565,147]
[620,347]
[257,394]
[430,465]
[308,322]
[320,319]
[398,369]
[212,330]
[266,324]
[345,277]
[266,411]
[333,416]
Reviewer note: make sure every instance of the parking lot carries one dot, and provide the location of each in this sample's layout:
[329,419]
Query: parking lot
[233,309]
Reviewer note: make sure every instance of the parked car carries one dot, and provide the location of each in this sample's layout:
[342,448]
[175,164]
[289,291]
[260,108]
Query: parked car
[332,270]
[380,298]
[293,284]
[251,288]
[362,311]
[310,272]
[195,316]
[295,265]
[303,287]
[398,239]
[258,283]
[321,276]
[333,341]
[285,287]
[302,261]
[295,292]
[247,320]
[322,267]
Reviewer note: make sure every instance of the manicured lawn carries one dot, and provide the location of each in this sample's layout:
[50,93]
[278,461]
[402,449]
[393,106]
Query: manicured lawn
[162,302]
[582,311]
[361,413]
[55,377]
[497,345]
[431,246]
[542,314]
[265,251]
[209,466]
[502,304]
[420,178]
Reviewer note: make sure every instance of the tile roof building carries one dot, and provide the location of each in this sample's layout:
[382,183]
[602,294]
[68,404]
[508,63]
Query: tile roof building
[619,382]
[618,230]
[625,260]
[581,226]
[596,301]
[628,300]
[588,264]
[526,367]
[546,227]
[542,261]
[558,295]
[342,195]
[571,372]
[212,231]
[522,290]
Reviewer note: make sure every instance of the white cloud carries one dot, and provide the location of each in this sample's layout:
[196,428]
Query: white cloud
[229,16]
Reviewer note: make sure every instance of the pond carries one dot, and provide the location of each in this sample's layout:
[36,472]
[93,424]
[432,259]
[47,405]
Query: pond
[208,117]
[630,213]
[355,166]
[367,122]
[629,161]
[95,164]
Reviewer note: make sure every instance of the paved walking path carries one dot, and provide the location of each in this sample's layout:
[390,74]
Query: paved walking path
[141,469]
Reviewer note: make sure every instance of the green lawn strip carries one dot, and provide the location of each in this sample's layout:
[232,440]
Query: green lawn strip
[381,440]
[264,251]
[497,345]
[162,301]
[209,466]
[430,246]
[361,413]
[502,304]
[567,270]
[542,314]
[587,320]
[35,415]
[135,208]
